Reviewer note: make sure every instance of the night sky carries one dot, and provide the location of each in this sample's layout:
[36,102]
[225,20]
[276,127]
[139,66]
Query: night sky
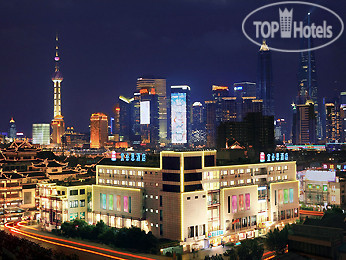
[105,45]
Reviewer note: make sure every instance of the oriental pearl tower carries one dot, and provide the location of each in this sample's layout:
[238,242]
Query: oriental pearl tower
[58,124]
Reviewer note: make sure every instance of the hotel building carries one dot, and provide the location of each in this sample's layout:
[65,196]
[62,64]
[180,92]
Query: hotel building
[187,197]
[191,199]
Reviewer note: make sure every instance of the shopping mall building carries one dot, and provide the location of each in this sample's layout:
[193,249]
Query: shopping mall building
[189,198]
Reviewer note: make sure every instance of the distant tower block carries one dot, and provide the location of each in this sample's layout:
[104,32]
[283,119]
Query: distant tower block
[58,124]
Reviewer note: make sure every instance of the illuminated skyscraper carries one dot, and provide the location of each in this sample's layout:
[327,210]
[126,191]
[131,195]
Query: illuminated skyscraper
[198,130]
[12,131]
[265,80]
[149,118]
[180,114]
[41,134]
[244,89]
[161,91]
[58,124]
[304,123]
[307,78]
[98,130]
[343,116]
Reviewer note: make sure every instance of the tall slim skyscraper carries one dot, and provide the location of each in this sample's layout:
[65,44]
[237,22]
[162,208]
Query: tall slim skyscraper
[307,78]
[58,124]
[161,91]
[265,88]
[12,131]
[343,116]
[98,130]
[180,114]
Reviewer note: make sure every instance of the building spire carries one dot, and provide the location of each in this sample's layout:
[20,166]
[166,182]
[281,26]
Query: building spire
[264,46]
[57,58]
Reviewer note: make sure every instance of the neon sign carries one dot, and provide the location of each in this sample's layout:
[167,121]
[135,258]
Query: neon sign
[129,157]
[273,157]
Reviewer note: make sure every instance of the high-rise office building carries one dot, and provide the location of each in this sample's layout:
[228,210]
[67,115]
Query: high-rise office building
[41,134]
[333,122]
[12,131]
[180,114]
[244,89]
[343,116]
[58,124]
[198,130]
[304,123]
[307,78]
[149,118]
[135,119]
[98,130]
[255,130]
[281,133]
[219,92]
[161,91]
[123,118]
[265,88]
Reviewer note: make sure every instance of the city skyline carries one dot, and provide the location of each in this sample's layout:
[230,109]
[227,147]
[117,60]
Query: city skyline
[103,61]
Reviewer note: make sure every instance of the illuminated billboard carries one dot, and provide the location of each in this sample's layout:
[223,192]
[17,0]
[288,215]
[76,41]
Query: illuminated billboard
[178,117]
[145,112]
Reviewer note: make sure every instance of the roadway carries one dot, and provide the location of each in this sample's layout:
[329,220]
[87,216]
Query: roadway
[84,250]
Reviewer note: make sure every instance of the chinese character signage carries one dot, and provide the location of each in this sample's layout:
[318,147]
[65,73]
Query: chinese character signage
[273,157]
[129,157]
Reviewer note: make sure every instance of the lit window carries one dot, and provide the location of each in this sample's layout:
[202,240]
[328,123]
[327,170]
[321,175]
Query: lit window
[157,197]
[232,182]
[248,180]
[157,225]
[241,181]
[271,168]
[151,210]
[232,171]
[123,172]
[241,170]
[151,196]
[157,211]
[279,168]
[285,167]
[248,170]
[279,177]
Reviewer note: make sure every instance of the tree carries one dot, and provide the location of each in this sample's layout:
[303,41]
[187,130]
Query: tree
[277,240]
[250,249]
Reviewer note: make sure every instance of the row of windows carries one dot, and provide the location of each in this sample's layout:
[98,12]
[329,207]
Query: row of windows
[152,196]
[73,216]
[243,222]
[231,172]
[75,192]
[196,197]
[195,231]
[74,203]
[123,172]
[124,183]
